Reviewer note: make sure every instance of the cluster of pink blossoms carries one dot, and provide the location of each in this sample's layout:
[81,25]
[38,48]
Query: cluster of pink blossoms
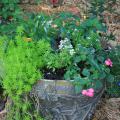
[108,62]
[90,92]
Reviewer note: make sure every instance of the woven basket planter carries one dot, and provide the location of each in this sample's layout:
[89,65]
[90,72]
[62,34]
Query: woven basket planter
[56,100]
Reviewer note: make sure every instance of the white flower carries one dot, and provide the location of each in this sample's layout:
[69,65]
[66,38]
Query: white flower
[72,51]
[66,40]
[62,42]
[60,46]
[66,44]
[70,46]
[49,23]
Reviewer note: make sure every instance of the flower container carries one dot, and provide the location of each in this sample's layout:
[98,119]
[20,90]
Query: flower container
[57,100]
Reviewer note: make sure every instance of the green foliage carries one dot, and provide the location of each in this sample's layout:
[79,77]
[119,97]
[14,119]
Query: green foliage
[79,49]
[58,60]
[1,72]
[113,89]
[88,67]
[115,55]
[54,42]
[11,17]
[22,61]
[9,8]
[42,25]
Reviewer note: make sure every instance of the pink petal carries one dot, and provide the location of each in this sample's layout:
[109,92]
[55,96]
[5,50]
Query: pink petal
[89,94]
[84,92]
[108,62]
[91,90]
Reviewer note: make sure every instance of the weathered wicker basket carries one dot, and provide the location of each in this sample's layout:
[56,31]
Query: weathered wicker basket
[56,100]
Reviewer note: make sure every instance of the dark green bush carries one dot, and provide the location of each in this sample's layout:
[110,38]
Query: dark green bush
[114,88]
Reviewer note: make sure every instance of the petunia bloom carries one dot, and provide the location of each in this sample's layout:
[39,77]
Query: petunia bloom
[84,92]
[108,62]
[91,90]
[88,92]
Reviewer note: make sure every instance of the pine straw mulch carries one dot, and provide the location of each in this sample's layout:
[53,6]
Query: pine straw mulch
[112,20]
[50,10]
[3,115]
[108,109]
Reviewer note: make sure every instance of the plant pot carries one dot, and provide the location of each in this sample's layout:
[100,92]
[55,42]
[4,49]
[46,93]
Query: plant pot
[56,100]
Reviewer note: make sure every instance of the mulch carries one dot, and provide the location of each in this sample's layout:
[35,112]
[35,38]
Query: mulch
[108,109]
[3,115]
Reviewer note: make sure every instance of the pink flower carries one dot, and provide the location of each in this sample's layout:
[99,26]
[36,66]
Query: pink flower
[90,94]
[91,90]
[84,92]
[108,62]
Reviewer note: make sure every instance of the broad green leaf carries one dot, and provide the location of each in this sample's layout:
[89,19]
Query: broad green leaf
[110,78]
[86,72]
[78,88]
[98,84]
[77,59]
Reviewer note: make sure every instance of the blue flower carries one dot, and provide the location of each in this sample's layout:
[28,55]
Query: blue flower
[118,83]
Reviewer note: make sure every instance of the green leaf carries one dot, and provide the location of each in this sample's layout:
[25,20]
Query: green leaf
[110,78]
[102,75]
[100,58]
[78,88]
[93,62]
[83,57]
[77,59]
[86,72]
[98,84]
[107,70]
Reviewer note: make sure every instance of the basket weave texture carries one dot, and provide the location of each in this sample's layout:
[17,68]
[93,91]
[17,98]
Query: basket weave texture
[54,105]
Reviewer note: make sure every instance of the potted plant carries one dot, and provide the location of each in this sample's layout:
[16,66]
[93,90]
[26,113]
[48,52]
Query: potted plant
[64,71]
[75,70]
